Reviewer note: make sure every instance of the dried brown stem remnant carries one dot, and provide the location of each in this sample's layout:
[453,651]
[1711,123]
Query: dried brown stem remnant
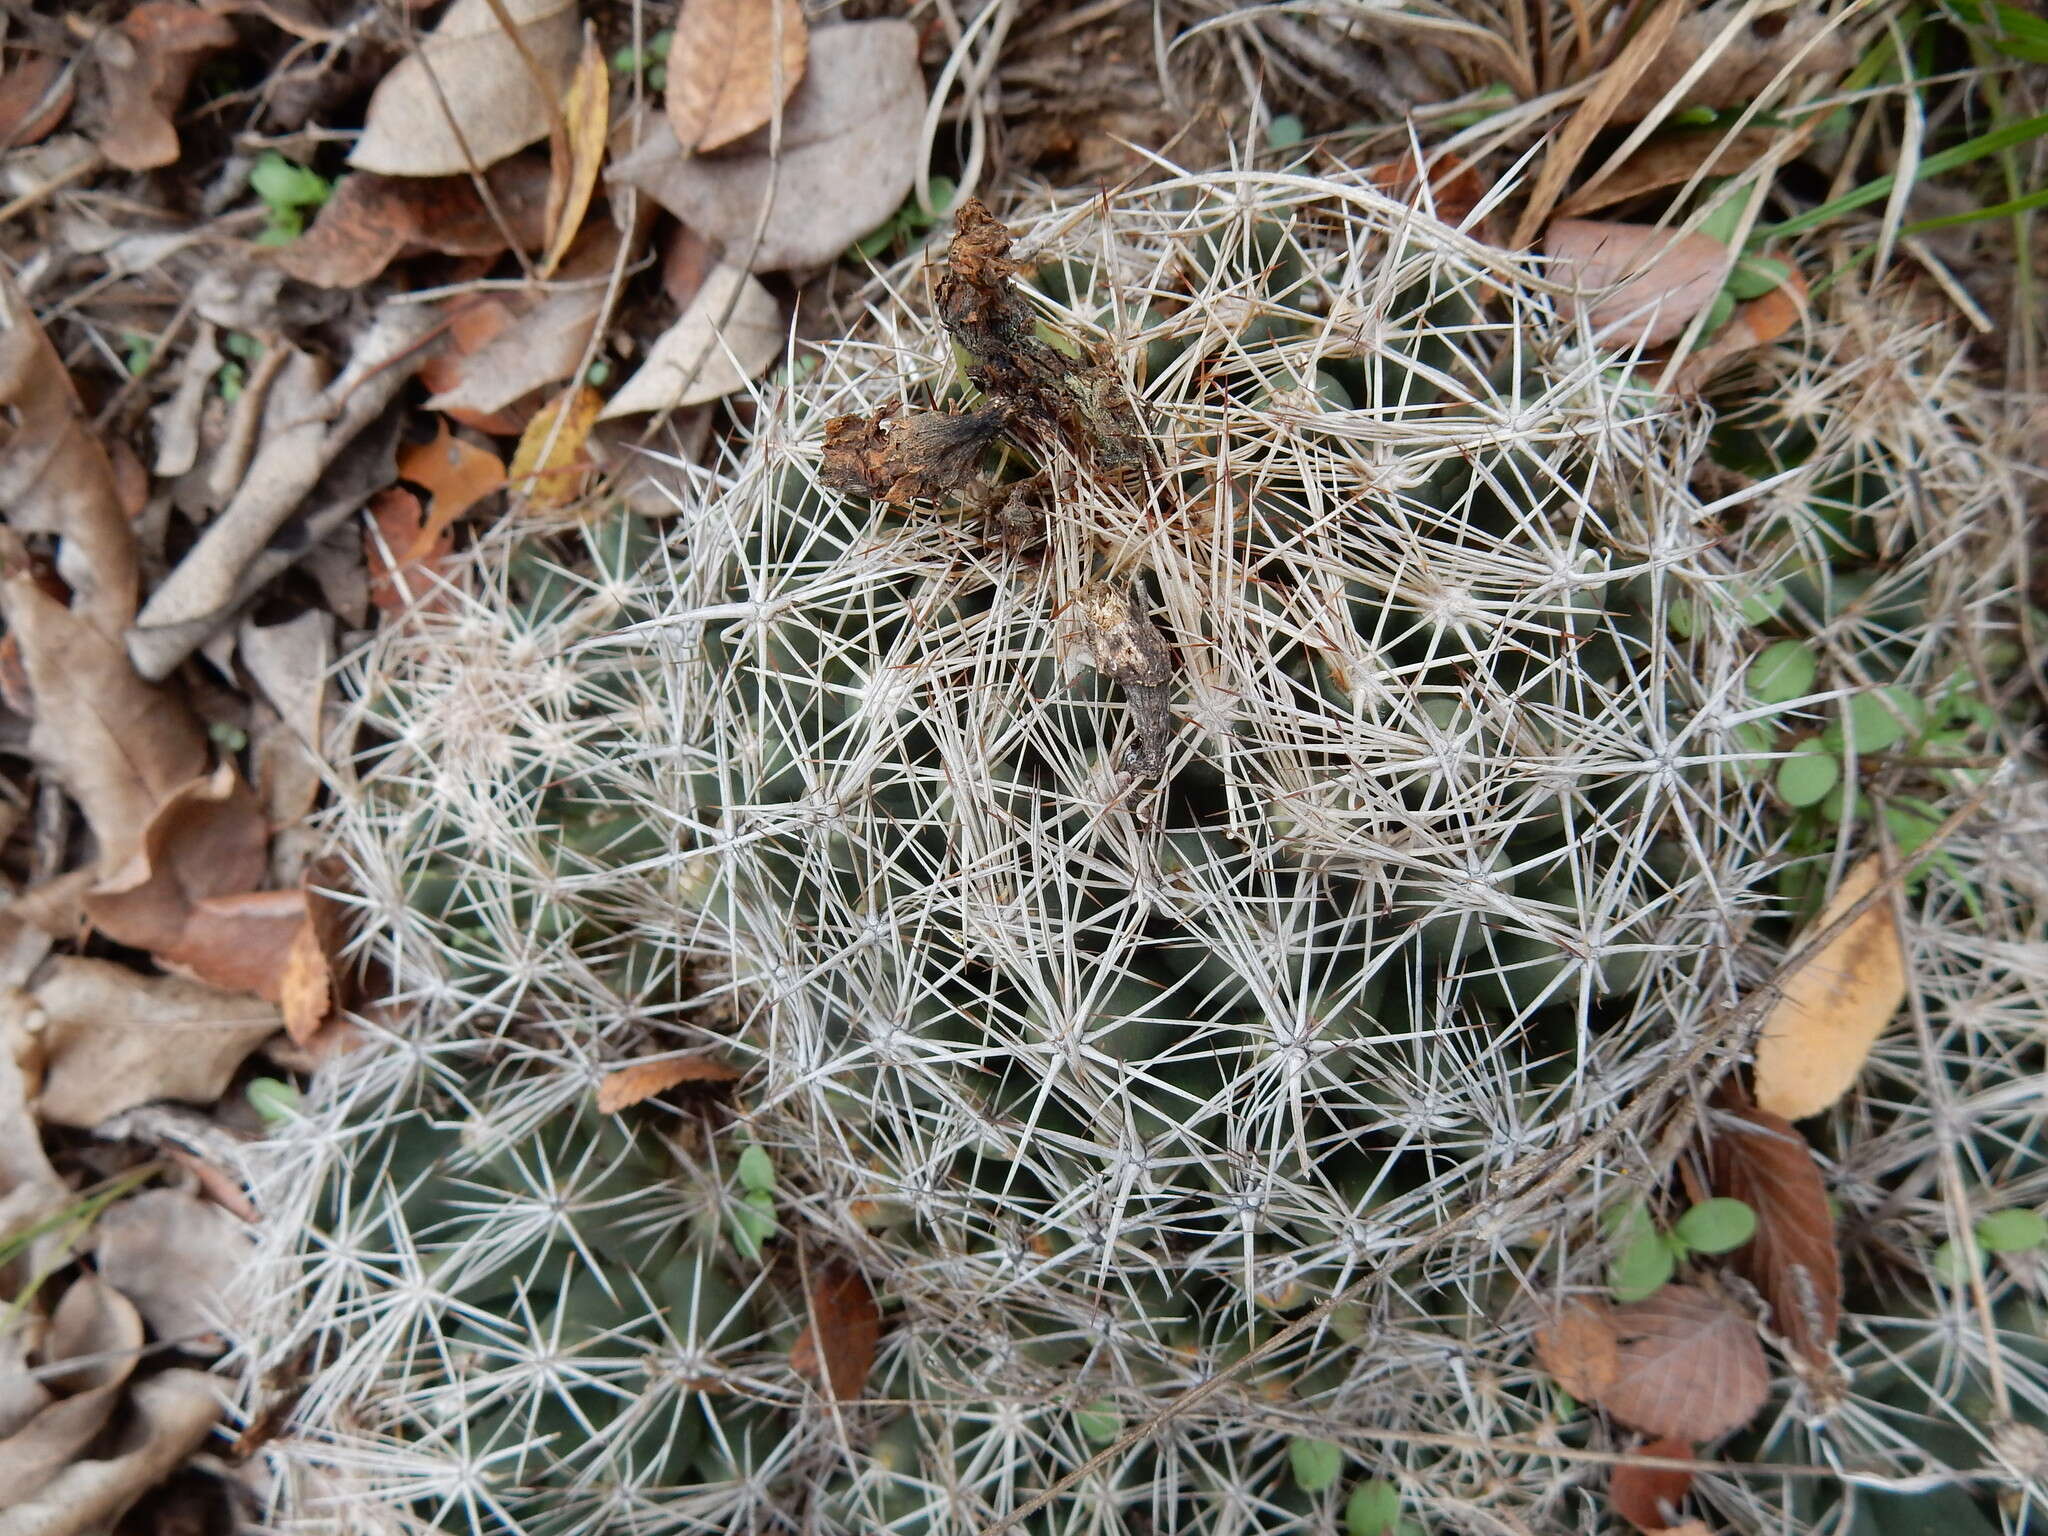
[1128,649]
[925,456]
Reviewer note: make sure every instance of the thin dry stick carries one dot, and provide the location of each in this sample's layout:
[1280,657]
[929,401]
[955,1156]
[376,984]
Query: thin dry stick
[1539,1184]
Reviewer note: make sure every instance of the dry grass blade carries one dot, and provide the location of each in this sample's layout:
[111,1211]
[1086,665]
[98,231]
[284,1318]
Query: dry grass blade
[1569,145]
[1690,1365]
[1832,1009]
[1761,1160]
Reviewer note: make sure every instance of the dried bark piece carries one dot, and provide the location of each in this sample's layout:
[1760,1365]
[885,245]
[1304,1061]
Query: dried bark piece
[1127,648]
[925,456]
[1761,1160]
[639,1080]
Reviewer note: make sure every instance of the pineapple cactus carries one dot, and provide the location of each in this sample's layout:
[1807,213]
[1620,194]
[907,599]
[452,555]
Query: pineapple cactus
[1177,773]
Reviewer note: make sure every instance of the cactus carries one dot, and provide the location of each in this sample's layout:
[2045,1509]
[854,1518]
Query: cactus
[1213,803]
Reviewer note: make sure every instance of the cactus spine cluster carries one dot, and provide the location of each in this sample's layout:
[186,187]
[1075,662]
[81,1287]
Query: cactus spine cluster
[1191,823]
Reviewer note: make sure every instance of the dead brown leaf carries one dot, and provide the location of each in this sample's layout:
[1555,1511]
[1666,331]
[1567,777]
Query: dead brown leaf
[313,989]
[1755,323]
[34,97]
[1690,1365]
[536,347]
[457,475]
[1670,160]
[1745,58]
[850,137]
[640,1080]
[117,1039]
[167,1416]
[173,1255]
[1635,284]
[97,1326]
[117,744]
[145,65]
[1817,1036]
[731,334]
[731,63]
[837,1347]
[1578,1347]
[550,468]
[372,221]
[576,150]
[1455,187]
[414,570]
[467,96]
[1761,1160]
[1648,1497]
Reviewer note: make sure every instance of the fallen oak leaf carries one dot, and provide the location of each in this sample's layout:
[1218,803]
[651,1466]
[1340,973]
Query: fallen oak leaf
[849,153]
[1634,284]
[576,151]
[1830,1011]
[407,568]
[371,221]
[456,474]
[731,63]
[466,97]
[731,333]
[1688,1364]
[145,64]
[1648,1497]
[640,1080]
[1760,1159]
[550,467]
[837,1346]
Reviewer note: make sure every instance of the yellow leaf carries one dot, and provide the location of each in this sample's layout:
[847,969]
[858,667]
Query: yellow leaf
[731,64]
[1816,1038]
[576,152]
[549,466]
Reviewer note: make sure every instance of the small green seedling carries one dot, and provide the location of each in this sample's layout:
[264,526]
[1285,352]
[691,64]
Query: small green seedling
[1645,1258]
[753,1215]
[1099,1422]
[273,1099]
[1285,131]
[1373,1508]
[288,191]
[652,60]
[228,735]
[757,1171]
[1316,1463]
[137,352]
[910,220]
[1782,671]
[2018,1230]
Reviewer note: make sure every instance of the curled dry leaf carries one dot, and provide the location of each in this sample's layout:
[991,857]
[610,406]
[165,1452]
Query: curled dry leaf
[1452,190]
[551,466]
[1648,1497]
[168,1416]
[29,1186]
[407,565]
[1578,1347]
[116,1039]
[640,1080]
[117,744]
[145,65]
[1742,60]
[1635,284]
[467,96]
[373,220]
[173,1255]
[850,144]
[1689,1365]
[1761,1160]
[1831,1010]
[576,149]
[34,96]
[708,353]
[837,1347]
[97,1326]
[1756,323]
[456,473]
[731,63]
[529,349]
